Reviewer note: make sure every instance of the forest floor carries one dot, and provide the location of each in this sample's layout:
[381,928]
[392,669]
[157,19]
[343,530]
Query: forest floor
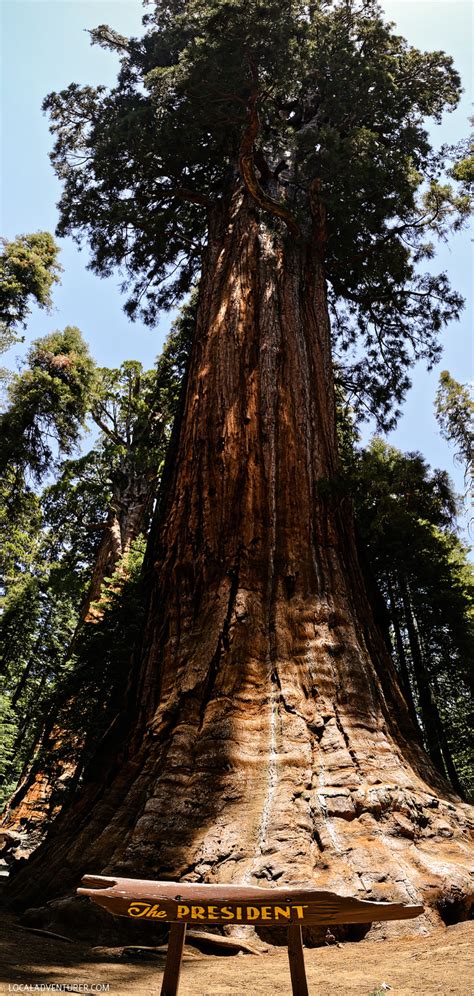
[442,962]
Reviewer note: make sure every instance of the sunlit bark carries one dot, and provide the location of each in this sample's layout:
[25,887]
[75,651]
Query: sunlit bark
[264,735]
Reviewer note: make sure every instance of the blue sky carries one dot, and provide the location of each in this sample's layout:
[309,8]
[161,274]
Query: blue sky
[44,47]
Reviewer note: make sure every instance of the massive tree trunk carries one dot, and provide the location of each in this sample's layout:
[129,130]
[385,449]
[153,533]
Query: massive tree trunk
[265,737]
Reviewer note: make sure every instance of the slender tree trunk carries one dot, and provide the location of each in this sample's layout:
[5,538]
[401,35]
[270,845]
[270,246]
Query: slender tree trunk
[126,520]
[31,662]
[28,803]
[264,736]
[402,660]
[108,554]
[435,736]
[428,708]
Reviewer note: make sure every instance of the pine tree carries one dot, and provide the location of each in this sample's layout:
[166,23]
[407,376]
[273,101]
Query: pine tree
[47,404]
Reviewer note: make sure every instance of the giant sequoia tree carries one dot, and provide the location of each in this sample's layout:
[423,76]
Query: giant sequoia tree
[278,150]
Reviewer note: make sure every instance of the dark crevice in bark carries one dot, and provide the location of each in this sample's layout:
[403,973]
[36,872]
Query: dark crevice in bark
[166,481]
[222,645]
[346,738]
[317,838]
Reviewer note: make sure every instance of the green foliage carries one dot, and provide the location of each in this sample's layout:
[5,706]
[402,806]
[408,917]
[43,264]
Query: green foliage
[48,403]
[406,517]
[28,270]
[454,409]
[463,171]
[8,731]
[55,669]
[463,168]
[96,674]
[38,620]
[342,100]
[20,520]
[70,698]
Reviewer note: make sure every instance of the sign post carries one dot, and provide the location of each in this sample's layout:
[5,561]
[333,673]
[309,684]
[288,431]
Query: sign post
[296,959]
[174,957]
[180,903]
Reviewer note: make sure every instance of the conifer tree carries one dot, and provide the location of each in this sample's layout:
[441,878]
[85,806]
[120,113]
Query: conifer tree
[28,270]
[454,408]
[47,404]
[406,517]
[73,563]
[281,152]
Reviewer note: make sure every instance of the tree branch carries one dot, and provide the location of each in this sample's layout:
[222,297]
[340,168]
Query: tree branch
[318,213]
[192,196]
[247,171]
[106,429]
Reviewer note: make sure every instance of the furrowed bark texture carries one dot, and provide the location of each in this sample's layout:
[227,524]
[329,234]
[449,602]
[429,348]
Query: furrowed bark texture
[266,738]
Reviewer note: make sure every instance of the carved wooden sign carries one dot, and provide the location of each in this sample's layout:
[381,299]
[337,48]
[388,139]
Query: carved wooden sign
[180,903]
[188,902]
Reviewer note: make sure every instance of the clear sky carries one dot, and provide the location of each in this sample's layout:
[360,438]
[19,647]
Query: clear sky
[44,47]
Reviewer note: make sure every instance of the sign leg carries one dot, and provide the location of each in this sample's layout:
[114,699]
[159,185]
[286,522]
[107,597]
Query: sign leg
[169,986]
[296,959]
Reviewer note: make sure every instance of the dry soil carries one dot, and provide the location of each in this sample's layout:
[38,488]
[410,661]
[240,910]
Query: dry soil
[441,962]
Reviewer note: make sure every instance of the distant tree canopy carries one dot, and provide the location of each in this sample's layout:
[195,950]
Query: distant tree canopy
[28,270]
[322,101]
[48,403]
[454,409]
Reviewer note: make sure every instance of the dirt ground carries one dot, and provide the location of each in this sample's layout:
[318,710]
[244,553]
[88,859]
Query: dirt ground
[442,962]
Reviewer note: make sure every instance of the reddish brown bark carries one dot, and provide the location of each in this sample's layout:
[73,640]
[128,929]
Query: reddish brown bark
[119,532]
[265,737]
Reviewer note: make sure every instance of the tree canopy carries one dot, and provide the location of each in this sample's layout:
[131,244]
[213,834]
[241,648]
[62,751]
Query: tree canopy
[454,409]
[28,270]
[47,403]
[307,103]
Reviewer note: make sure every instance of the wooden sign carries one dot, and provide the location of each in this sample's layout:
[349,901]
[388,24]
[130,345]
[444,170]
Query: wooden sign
[180,903]
[189,902]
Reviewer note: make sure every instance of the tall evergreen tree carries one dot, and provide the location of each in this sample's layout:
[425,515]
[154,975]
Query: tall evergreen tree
[281,151]
[47,404]
[405,520]
[454,408]
[88,528]
[28,270]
